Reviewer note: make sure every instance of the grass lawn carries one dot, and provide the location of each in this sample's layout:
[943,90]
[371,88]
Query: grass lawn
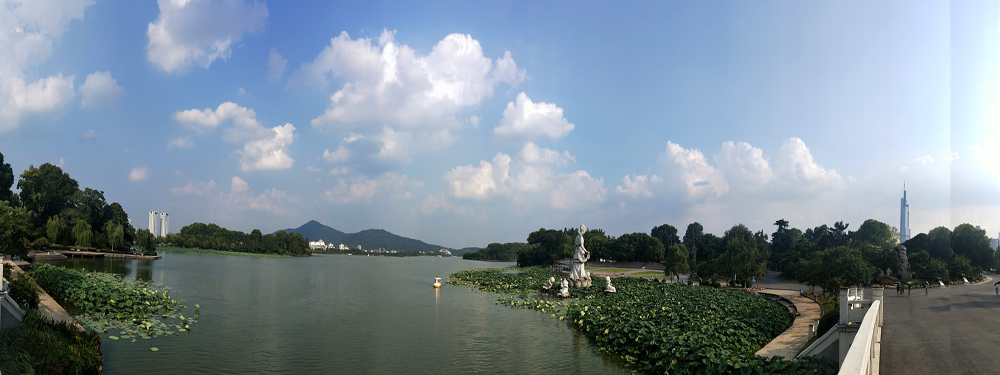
[649,274]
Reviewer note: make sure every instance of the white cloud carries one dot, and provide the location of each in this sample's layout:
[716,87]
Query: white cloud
[90,134]
[275,65]
[201,189]
[474,121]
[480,182]
[139,174]
[238,185]
[364,188]
[269,153]
[313,169]
[181,142]
[691,169]
[637,185]
[391,84]
[576,189]
[372,154]
[924,160]
[527,120]
[950,155]
[796,165]
[743,165]
[100,89]
[245,126]
[188,32]
[27,31]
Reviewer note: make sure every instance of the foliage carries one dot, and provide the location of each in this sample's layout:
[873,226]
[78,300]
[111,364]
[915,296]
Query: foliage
[115,214]
[105,300]
[974,244]
[40,244]
[874,233]
[24,290]
[667,235]
[214,237]
[675,261]
[939,240]
[42,346]
[881,258]
[506,252]
[116,235]
[6,181]
[218,252]
[46,190]
[636,247]
[54,228]
[936,270]
[961,266]
[545,247]
[746,253]
[13,230]
[144,240]
[661,327]
[82,234]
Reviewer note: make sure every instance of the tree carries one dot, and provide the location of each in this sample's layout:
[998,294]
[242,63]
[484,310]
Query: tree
[636,247]
[675,260]
[940,243]
[973,244]
[82,234]
[961,266]
[874,233]
[839,235]
[116,235]
[13,230]
[667,235]
[843,266]
[693,239]
[54,228]
[46,190]
[746,254]
[116,215]
[918,243]
[90,206]
[6,181]
[936,269]
[781,245]
[144,240]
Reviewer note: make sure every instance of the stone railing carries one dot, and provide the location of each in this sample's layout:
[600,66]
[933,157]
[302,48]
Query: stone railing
[860,354]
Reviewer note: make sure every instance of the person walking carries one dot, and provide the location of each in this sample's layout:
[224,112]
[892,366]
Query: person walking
[909,289]
[997,286]
[925,289]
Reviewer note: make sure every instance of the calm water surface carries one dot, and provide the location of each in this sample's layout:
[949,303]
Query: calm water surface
[342,314]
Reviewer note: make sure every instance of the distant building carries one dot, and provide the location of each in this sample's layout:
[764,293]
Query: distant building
[164,223]
[154,223]
[317,245]
[994,243]
[359,247]
[904,218]
[341,247]
[444,252]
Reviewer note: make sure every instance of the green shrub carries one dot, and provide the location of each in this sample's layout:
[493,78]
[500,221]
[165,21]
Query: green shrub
[40,244]
[39,345]
[827,321]
[24,290]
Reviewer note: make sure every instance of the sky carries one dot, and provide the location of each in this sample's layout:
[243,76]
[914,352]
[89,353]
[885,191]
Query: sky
[465,123]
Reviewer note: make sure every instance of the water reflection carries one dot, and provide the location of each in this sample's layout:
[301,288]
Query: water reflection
[128,268]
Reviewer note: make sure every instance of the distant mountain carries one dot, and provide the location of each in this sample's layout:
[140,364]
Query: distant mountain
[368,239]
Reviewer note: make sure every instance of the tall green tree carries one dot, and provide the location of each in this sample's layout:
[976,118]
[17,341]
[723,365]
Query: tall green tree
[46,190]
[14,226]
[675,260]
[667,235]
[116,215]
[54,228]
[693,239]
[974,244]
[746,255]
[83,234]
[874,233]
[940,244]
[90,206]
[6,181]
[116,235]
[781,245]
[843,266]
[144,240]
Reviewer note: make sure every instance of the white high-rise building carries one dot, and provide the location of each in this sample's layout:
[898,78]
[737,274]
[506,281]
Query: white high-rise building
[154,223]
[164,223]
[904,218]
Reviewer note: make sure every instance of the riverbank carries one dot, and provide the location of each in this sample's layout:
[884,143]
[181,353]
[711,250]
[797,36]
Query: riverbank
[218,252]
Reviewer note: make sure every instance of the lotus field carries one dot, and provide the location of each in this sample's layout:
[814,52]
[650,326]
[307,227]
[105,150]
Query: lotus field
[104,301]
[659,327]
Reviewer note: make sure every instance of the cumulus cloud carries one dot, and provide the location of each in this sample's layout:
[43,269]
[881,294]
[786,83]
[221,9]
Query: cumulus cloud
[526,120]
[924,160]
[239,198]
[203,189]
[692,171]
[238,185]
[188,32]
[245,126]
[269,153]
[637,185]
[181,142]
[796,165]
[275,66]
[363,188]
[100,89]
[139,174]
[743,165]
[372,154]
[533,174]
[27,31]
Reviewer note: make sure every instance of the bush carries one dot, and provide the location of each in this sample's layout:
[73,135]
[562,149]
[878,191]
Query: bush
[24,290]
[39,345]
[40,244]
[827,321]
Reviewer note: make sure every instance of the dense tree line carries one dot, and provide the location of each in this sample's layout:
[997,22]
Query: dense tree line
[504,252]
[214,237]
[52,209]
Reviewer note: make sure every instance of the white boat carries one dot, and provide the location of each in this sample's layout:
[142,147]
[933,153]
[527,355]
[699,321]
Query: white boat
[437,282]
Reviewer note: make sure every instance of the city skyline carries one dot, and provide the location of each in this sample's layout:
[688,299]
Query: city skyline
[466,124]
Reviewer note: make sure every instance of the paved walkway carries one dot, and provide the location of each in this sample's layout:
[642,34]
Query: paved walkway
[788,343]
[953,330]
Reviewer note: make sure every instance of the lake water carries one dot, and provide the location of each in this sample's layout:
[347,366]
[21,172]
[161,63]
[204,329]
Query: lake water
[342,314]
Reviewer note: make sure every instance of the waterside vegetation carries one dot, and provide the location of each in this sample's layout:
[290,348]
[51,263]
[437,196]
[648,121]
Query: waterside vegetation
[658,327]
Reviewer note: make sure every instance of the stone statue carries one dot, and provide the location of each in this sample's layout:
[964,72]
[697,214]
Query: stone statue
[904,264]
[610,288]
[888,271]
[549,284]
[564,288]
[579,276]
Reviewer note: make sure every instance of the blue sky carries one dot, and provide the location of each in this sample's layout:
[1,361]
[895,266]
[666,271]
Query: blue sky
[465,123]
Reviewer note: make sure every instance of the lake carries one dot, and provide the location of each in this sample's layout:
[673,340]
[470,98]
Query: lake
[342,314]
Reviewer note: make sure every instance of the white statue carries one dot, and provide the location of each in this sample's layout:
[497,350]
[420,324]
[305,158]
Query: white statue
[580,276]
[549,284]
[610,288]
[564,288]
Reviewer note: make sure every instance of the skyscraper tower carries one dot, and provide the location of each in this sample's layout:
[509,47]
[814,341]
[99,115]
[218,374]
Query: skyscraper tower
[164,223]
[904,218]
[154,223]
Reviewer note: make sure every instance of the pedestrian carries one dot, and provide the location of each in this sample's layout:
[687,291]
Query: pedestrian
[997,286]
[909,289]
[925,289]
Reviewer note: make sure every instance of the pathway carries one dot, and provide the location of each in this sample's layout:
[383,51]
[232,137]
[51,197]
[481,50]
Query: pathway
[788,343]
[953,330]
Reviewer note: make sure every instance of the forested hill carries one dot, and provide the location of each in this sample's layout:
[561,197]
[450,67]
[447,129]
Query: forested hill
[368,239]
